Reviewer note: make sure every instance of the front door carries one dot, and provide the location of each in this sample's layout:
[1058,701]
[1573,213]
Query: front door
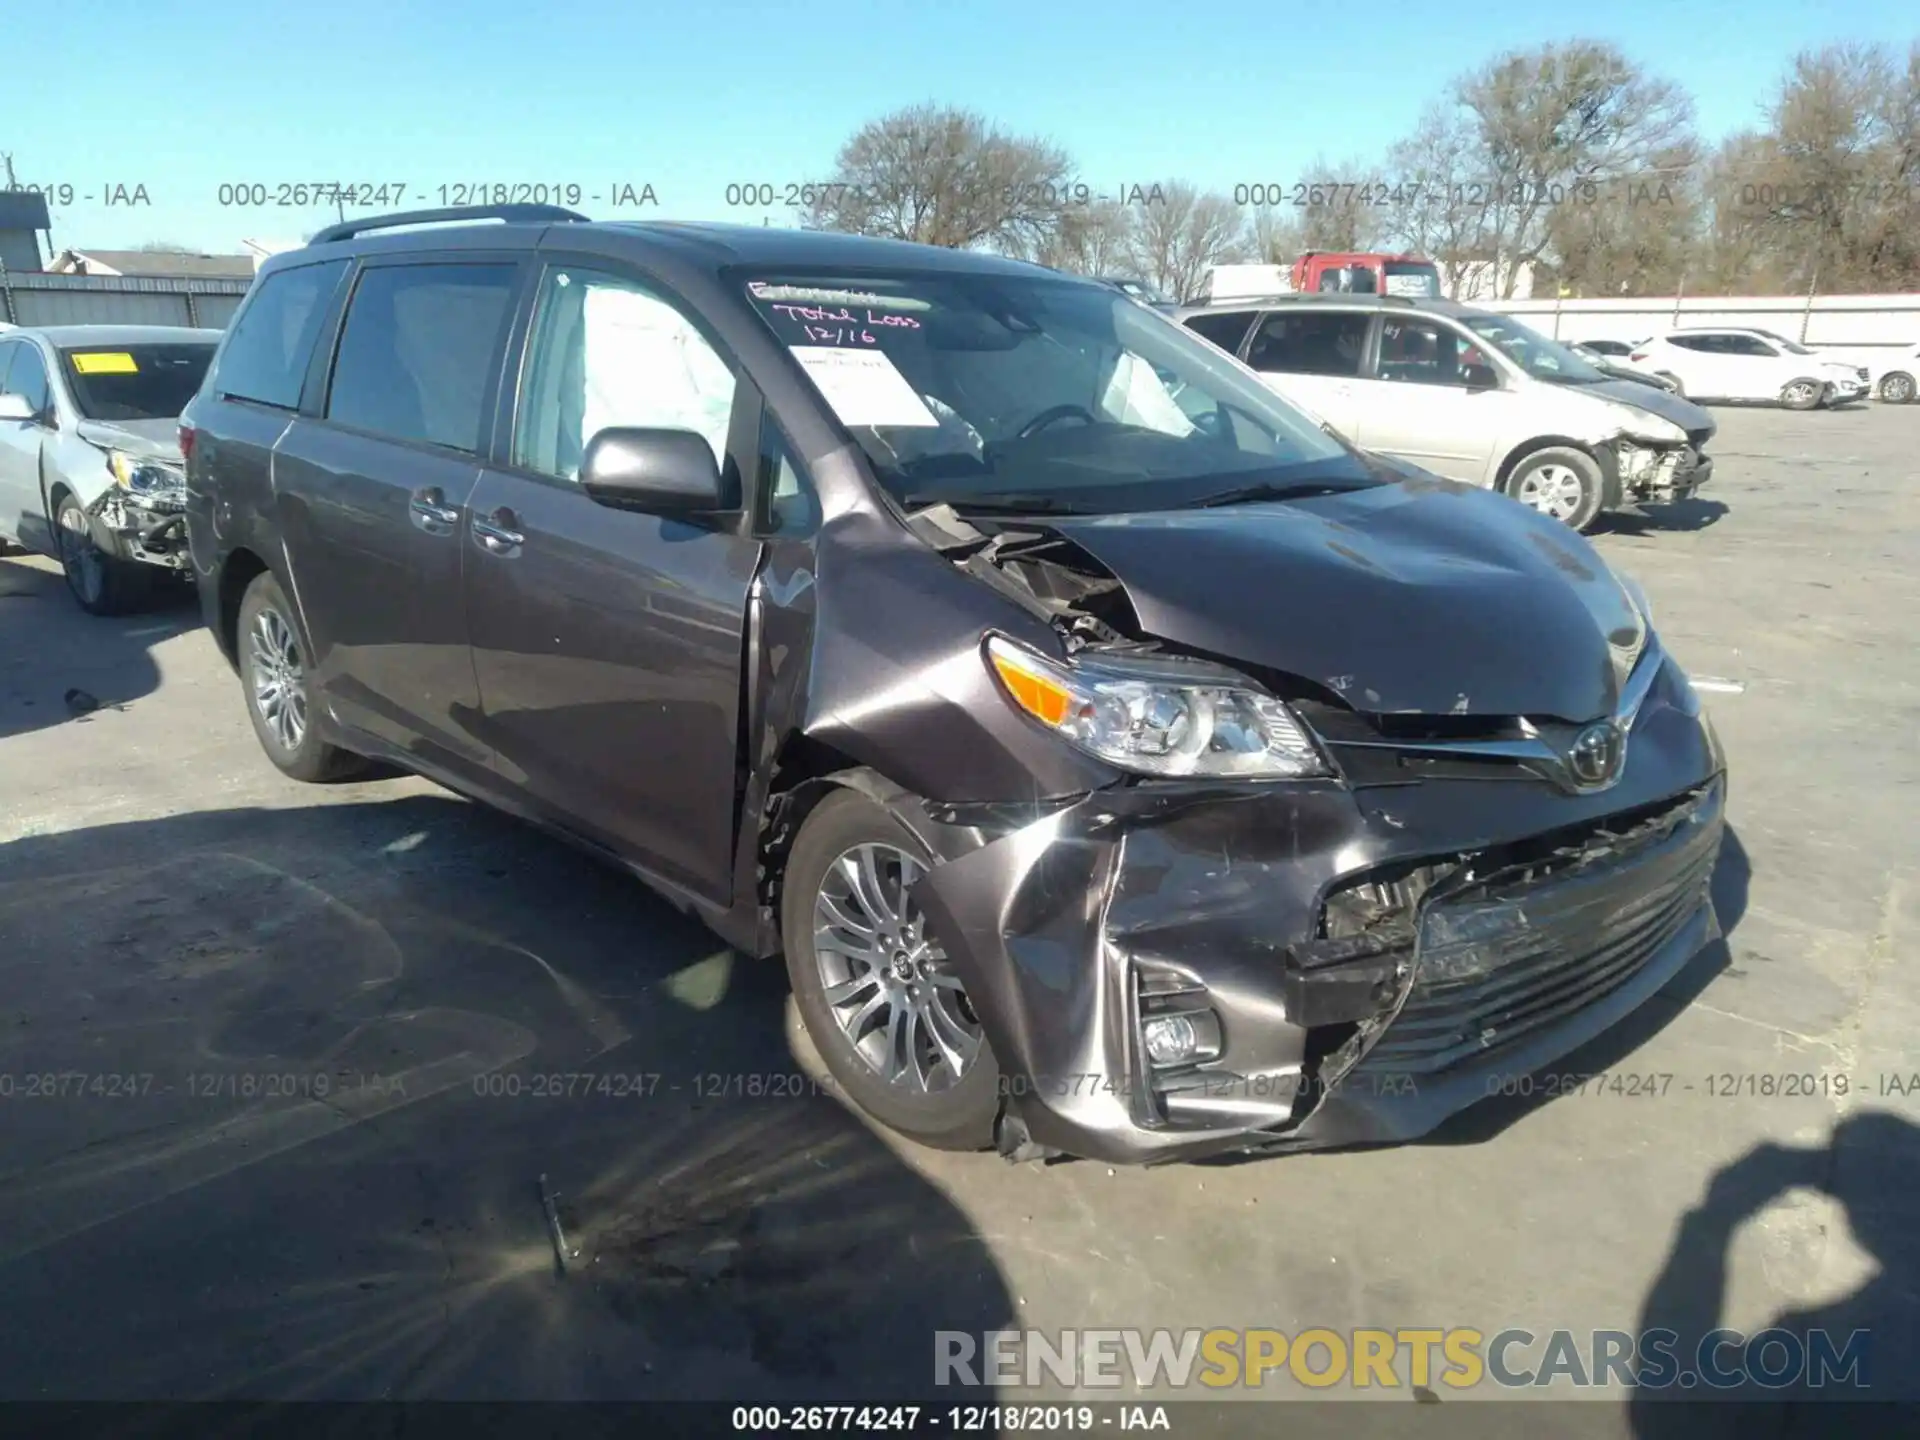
[22,510]
[373,497]
[609,644]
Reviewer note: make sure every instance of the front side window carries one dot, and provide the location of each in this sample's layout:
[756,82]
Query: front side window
[1036,394]
[419,347]
[135,382]
[1303,342]
[27,376]
[608,351]
[1533,352]
[266,353]
[1424,352]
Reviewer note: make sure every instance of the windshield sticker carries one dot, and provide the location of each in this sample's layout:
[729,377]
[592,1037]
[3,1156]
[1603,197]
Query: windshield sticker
[864,387]
[1414,285]
[839,325]
[809,295]
[105,362]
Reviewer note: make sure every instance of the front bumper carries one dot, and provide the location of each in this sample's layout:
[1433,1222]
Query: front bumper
[1074,929]
[144,530]
[1660,475]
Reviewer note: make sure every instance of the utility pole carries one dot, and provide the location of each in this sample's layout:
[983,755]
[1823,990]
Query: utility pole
[7,159]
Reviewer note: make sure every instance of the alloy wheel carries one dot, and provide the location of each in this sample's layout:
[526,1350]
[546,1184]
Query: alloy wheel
[1799,393]
[279,678]
[1554,490]
[1897,388]
[80,558]
[887,983]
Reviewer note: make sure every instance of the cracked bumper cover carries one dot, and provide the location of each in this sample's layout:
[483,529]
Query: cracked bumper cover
[1660,474]
[1151,896]
[147,529]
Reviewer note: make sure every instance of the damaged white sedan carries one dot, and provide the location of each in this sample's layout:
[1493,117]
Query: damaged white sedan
[90,465]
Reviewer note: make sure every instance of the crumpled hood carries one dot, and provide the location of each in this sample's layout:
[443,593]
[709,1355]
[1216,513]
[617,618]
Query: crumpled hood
[1425,596]
[148,439]
[1655,401]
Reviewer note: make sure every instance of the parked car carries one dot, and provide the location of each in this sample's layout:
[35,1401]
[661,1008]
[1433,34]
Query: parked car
[90,466]
[1141,290]
[1894,378]
[1614,370]
[1738,364]
[1473,396]
[1123,765]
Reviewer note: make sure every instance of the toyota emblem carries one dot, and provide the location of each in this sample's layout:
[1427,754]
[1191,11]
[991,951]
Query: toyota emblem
[1594,756]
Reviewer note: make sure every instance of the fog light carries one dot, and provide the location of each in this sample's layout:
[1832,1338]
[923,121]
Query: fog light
[1170,1039]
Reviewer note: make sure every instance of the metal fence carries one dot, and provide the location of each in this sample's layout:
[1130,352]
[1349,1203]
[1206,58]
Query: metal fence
[37,298]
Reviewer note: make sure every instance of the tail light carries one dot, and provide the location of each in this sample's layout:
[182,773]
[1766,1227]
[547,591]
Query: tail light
[1638,355]
[187,434]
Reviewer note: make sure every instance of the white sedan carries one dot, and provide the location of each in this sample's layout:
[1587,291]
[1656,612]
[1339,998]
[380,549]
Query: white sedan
[1736,364]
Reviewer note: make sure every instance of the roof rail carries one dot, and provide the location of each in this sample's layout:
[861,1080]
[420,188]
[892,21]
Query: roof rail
[520,214]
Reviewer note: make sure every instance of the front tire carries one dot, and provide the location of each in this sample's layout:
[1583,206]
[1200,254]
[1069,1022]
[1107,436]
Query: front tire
[99,583]
[1802,394]
[879,997]
[1897,388]
[273,676]
[1560,482]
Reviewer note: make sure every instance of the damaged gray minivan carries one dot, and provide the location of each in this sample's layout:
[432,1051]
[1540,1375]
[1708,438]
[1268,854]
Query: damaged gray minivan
[1124,766]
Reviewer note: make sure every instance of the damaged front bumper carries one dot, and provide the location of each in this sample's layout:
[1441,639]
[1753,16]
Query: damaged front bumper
[146,529]
[1169,972]
[1659,474]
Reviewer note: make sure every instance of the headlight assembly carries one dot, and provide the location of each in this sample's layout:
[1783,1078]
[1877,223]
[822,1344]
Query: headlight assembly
[146,479]
[1159,717]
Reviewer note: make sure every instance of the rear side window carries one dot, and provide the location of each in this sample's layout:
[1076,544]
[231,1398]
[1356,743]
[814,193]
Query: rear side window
[1226,329]
[420,344]
[1301,342]
[1704,344]
[267,351]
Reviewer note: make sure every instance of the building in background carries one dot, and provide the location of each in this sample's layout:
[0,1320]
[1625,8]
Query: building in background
[153,264]
[23,219]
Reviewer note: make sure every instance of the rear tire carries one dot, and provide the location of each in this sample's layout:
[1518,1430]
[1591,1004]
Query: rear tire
[1897,388]
[1802,394]
[1560,482]
[880,1000]
[99,584]
[273,676]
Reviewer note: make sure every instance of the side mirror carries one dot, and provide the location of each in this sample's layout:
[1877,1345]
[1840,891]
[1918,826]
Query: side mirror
[16,407]
[657,472]
[1480,377]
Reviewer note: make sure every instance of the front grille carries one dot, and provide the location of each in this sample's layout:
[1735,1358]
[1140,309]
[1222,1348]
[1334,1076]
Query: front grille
[1505,959]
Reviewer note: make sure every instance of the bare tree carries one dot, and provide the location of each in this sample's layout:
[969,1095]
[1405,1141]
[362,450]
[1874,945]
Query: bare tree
[1176,240]
[944,176]
[1094,239]
[1640,235]
[1340,205]
[1435,207]
[1555,126]
[1274,236]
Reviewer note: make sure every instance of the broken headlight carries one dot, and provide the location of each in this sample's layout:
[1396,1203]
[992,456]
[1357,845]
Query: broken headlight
[146,479]
[1159,716]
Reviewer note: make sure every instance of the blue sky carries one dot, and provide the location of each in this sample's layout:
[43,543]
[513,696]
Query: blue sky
[184,97]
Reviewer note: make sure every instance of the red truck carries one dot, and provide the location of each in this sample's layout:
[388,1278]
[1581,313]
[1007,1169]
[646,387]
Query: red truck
[1366,273]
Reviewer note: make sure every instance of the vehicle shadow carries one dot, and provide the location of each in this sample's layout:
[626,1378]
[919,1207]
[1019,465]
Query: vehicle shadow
[391,1097]
[107,661]
[1870,1166]
[1689,514]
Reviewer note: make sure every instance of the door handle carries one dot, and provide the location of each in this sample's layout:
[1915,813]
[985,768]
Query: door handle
[431,512]
[496,532]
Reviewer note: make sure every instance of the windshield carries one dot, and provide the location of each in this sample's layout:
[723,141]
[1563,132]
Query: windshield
[135,382]
[1791,347]
[1140,290]
[1418,279]
[1038,394]
[1533,352]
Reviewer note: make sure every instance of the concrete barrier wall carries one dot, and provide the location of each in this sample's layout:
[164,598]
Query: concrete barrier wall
[1869,324]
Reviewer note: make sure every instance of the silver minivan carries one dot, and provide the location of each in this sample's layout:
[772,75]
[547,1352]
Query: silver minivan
[1470,395]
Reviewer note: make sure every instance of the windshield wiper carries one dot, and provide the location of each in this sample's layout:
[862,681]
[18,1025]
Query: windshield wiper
[1008,503]
[1269,490]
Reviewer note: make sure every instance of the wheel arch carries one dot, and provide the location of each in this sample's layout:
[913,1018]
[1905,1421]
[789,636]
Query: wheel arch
[1601,455]
[238,570]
